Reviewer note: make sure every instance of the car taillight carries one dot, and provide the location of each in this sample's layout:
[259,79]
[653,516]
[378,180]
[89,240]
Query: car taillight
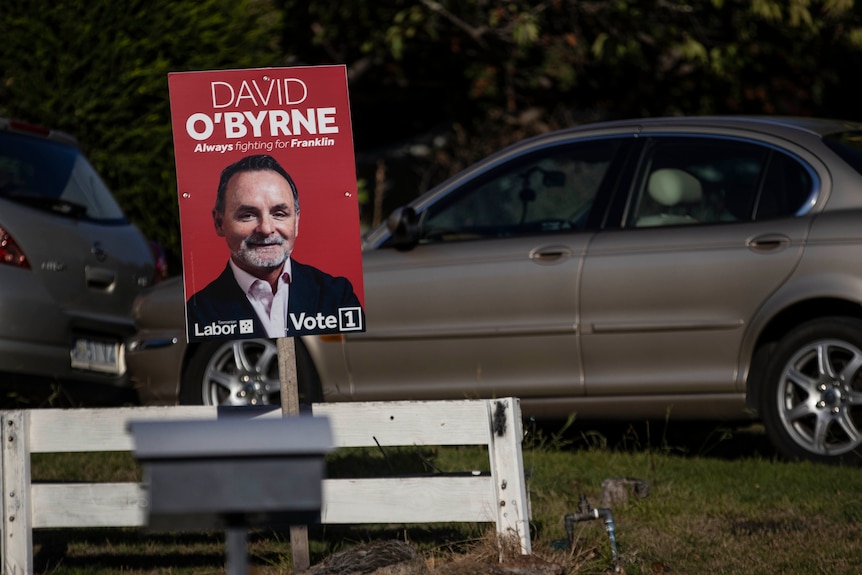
[26,127]
[10,253]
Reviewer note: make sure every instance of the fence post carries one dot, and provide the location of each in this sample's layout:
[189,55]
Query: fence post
[507,469]
[17,545]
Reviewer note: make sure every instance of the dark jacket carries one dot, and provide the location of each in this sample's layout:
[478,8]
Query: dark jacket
[218,310]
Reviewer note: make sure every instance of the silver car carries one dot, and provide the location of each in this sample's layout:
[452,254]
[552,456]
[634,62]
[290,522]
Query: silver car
[689,268]
[71,265]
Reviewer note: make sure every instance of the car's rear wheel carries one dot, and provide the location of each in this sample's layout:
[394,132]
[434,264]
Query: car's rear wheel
[243,372]
[812,402]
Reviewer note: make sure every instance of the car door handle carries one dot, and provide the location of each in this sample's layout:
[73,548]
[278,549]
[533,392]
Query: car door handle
[550,254]
[99,278]
[768,243]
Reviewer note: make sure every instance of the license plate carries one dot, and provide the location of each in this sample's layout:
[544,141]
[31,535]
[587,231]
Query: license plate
[100,356]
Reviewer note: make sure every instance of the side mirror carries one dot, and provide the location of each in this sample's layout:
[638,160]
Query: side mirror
[403,224]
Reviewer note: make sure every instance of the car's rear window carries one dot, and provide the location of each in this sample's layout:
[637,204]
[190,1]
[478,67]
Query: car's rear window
[54,177]
[848,145]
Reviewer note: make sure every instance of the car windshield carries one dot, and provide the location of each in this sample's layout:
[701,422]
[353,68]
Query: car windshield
[54,177]
[848,145]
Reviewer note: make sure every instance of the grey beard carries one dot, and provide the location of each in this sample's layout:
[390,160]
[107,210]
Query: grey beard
[248,255]
[260,261]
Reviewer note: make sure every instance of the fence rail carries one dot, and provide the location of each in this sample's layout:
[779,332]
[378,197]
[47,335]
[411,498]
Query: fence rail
[499,497]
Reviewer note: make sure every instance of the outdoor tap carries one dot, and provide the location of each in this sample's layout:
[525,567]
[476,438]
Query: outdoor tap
[587,513]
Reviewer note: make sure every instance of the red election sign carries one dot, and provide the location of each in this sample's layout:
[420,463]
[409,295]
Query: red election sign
[268,202]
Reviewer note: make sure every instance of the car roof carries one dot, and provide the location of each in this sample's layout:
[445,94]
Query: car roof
[773,124]
[19,127]
[787,127]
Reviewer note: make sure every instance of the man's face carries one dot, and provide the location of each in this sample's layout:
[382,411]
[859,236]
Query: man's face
[259,222]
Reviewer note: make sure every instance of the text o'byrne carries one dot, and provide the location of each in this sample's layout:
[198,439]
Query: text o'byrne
[295,122]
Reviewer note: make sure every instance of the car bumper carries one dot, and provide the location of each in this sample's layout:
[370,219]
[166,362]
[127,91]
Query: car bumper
[155,361]
[37,337]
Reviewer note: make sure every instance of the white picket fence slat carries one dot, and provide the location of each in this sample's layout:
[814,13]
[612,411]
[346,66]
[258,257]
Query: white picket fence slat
[500,497]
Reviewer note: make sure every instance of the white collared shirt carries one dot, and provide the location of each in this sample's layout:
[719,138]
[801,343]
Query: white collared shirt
[274,320]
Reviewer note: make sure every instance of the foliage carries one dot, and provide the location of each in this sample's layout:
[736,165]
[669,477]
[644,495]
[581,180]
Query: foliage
[640,58]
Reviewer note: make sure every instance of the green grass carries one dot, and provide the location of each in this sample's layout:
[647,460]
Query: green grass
[720,502]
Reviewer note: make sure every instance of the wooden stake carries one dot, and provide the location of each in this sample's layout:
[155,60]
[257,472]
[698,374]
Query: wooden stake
[290,407]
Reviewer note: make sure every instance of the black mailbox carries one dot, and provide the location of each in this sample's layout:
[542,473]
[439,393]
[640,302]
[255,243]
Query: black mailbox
[232,472]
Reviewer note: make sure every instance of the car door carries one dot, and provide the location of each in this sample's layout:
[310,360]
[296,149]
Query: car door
[485,305]
[711,228]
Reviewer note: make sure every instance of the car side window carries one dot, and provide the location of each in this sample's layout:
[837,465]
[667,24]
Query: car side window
[546,192]
[787,189]
[54,177]
[712,180]
[698,180]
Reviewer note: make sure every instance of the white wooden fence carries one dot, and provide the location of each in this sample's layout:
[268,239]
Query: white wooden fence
[499,497]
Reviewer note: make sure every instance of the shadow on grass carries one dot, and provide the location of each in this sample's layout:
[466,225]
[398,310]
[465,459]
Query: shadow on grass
[120,550]
[727,440]
[138,551]
[359,463]
[38,394]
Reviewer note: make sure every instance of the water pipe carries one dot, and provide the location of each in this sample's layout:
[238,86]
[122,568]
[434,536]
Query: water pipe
[587,513]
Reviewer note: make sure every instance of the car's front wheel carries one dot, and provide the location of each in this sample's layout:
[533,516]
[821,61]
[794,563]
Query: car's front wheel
[812,402]
[243,372]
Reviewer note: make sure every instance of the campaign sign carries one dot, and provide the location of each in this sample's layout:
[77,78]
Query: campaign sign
[269,212]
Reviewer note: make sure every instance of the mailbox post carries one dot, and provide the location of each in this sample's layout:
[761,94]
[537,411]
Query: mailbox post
[233,474]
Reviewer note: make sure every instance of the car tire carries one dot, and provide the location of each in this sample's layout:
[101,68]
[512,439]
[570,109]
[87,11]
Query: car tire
[812,400]
[244,372]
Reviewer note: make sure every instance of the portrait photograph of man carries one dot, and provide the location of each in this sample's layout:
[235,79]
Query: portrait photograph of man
[257,212]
